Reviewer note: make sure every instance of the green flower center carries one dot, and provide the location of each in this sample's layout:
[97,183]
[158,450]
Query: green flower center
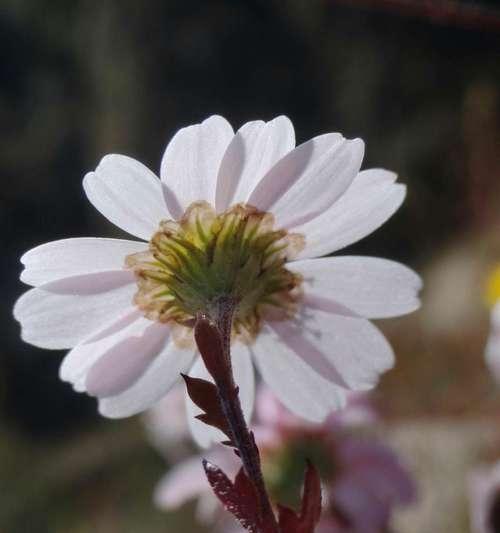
[194,262]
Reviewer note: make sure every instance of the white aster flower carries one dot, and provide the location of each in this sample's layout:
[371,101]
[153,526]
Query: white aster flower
[243,214]
[492,351]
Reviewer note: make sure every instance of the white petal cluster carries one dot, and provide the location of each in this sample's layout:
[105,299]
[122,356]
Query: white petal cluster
[82,295]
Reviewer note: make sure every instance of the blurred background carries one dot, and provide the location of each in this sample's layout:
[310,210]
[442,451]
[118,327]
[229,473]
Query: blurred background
[421,86]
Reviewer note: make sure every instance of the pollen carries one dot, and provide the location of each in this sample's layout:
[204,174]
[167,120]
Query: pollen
[194,262]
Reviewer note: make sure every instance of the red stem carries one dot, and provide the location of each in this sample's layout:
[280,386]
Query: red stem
[231,407]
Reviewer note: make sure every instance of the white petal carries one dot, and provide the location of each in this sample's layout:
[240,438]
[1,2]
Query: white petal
[349,351]
[309,179]
[191,162]
[72,257]
[372,198]
[244,377]
[294,382]
[122,363]
[255,148]
[79,360]
[368,286]
[62,313]
[128,194]
[160,376]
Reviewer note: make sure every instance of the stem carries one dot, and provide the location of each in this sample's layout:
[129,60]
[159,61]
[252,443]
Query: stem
[231,407]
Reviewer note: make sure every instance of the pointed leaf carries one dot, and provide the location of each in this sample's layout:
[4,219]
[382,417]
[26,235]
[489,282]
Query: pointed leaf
[310,511]
[311,499]
[204,394]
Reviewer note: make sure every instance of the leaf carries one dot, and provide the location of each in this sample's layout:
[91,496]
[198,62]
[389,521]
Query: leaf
[239,498]
[310,511]
[204,394]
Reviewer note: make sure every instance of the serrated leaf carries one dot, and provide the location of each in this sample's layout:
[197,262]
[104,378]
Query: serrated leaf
[239,498]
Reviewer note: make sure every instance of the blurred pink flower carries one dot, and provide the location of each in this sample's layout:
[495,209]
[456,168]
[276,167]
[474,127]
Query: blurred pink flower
[370,485]
[272,414]
[363,480]
[484,498]
[116,302]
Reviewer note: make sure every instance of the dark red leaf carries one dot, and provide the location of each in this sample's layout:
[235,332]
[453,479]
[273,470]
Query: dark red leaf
[239,498]
[310,511]
[204,395]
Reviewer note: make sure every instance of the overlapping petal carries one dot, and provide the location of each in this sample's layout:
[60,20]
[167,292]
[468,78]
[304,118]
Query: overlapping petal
[62,313]
[347,350]
[371,199]
[191,163]
[253,151]
[309,179]
[75,366]
[128,194]
[122,363]
[368,286]
[297,385]
[72,257]
[168,361]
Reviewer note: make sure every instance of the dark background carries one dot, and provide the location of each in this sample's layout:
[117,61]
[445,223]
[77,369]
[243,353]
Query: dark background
[84,78]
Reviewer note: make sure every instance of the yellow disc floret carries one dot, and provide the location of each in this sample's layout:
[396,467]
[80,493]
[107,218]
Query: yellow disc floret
[493,287]
[194,262]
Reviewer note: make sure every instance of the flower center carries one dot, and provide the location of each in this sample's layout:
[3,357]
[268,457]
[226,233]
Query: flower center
[194,262]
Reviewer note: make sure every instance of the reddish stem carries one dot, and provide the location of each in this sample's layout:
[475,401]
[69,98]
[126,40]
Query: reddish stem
[241,436]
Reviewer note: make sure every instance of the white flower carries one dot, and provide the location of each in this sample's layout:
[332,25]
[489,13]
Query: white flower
[248,213]
[484,498]
[492,352]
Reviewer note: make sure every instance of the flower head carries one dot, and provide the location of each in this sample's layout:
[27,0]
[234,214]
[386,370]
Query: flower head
[239,215]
